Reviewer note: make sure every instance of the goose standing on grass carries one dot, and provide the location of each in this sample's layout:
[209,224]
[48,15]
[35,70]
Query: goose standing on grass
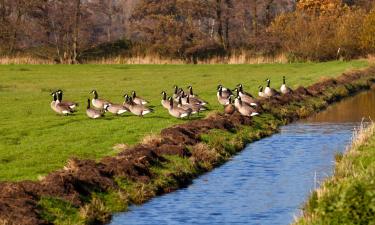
[261,93]
[193,96]
[244,109]
[285,89]
[178,112]
[95,113]
[223,96]
[70,104]
[270,92]
[138,110]
[99,103]
[249,99]
[138,100]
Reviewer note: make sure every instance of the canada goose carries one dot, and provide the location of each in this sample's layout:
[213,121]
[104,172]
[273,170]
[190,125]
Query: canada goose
[261,93]
[94,113]
[53,103]
[138,100]
[116,109]
[229,109]
[164,100]
[99,103]
[242,92]
[270,92]
[71,105]
[186,106]
[244,109]
[196,108]
[139,110]
[245,97]
[177,111]
[225,92]
[285,89]
[223,97]
[177,92]
[193,96]
[58,107]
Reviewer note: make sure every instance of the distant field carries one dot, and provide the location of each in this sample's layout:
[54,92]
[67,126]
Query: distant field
[35,141]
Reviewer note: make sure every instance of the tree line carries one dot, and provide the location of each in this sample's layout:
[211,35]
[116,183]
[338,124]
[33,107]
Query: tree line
[75,31]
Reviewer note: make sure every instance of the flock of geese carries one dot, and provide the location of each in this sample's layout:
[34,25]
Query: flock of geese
[180,104]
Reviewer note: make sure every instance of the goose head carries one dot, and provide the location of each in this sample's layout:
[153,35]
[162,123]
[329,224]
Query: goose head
[237,91]
[219,87]
[283,79]
[260,88]
[95,94]
[134,94]
[164,94]
[175,89]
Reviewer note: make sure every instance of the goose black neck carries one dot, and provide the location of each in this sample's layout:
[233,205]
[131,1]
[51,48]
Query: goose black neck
[191,91]
[164,96]
[220,91]
[180,101]
[95,95]
[88,103]
[171,102]
[188,99]
[283,80]
[268,83]
[54,97]
[134,94]
[175,90]
[59,96]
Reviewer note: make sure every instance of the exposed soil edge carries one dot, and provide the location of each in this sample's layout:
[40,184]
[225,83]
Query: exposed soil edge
[80,178]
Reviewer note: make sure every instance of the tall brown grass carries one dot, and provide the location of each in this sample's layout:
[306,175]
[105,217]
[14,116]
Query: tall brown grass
[7,60]
[240,58]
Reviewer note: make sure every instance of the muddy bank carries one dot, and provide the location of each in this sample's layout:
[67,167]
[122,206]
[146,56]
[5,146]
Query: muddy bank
[76,183]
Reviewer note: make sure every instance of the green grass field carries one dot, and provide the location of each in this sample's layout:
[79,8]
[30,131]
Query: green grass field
[35,141]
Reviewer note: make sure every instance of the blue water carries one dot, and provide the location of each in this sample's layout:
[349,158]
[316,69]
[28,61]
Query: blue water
[267,183]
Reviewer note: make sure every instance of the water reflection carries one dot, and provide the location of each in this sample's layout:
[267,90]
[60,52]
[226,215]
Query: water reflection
[349,110]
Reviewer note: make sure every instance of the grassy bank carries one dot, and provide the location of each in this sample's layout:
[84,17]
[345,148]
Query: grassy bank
[349,196]
[34,141]
[213,149]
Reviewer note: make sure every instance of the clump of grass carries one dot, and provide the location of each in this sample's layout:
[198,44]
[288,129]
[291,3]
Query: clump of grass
[58,211]
[204,156]
[95,212]
[151,139]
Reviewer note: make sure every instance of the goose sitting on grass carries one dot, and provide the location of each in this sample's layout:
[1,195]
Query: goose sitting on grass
[58,107]
[164,100]
[99,103]
[249,99]
[177,92]
[178,112]
[95,113]
[138,110]
[138,100]
[285,89]
[244,109]
[270,92]
[261,93]
[53,103]
[116,109]
[72,105]
[223,96]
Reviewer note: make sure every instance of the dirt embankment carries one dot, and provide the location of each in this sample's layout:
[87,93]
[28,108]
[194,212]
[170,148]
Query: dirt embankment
[80,178]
